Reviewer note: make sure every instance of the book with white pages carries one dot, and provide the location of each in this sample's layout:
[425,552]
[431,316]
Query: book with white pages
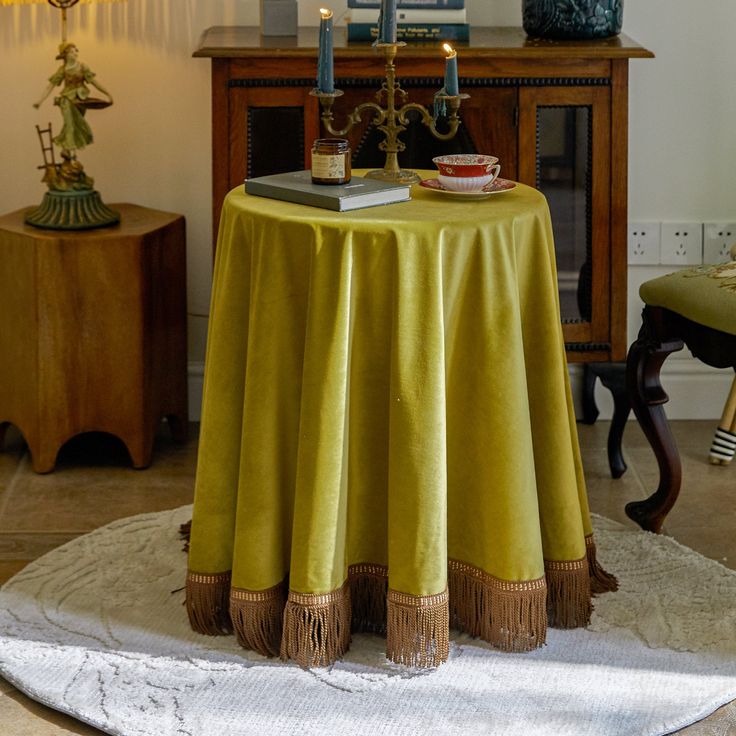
[407,4]
[411,15]
[297,186]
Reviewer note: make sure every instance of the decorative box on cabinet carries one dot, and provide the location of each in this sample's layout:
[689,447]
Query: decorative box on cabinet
[93,332]
[554,112]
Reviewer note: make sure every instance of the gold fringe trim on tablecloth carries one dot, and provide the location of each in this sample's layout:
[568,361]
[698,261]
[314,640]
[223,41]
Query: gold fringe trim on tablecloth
[600,580]
[257,617]
[417,629]
[509,615]
[207,602]
[568,593]
[316,627]
[368,589]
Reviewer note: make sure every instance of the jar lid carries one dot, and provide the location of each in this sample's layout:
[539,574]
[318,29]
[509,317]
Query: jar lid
[341,144]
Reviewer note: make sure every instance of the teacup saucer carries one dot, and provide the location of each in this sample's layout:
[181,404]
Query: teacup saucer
[495,187]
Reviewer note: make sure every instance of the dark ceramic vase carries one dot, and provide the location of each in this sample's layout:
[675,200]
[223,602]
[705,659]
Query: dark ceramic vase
[572,18]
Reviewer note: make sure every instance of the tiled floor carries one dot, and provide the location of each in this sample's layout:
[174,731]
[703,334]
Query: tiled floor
[93,484]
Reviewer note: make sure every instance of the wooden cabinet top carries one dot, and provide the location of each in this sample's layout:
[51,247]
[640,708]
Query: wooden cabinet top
[510,42]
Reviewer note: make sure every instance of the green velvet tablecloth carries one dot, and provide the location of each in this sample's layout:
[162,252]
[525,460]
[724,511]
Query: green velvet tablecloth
[387,414]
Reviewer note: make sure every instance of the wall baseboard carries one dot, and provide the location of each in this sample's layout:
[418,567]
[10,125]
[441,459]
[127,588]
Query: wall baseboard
[696,390]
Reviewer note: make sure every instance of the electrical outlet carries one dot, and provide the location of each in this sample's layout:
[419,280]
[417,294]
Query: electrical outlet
[644,243]
[681,243]
[718,237]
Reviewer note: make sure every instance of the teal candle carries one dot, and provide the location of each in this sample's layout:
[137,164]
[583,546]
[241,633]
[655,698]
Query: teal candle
[325,70]
[387,22]
[451,84]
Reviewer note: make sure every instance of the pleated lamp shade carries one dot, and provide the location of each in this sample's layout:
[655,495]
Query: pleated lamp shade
[62,5]
[55,3]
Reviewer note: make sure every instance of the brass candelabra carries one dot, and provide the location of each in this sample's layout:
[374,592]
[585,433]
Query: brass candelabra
[391,120]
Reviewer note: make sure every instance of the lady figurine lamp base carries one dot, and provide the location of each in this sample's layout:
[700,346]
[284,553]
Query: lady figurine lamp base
[73,210]
[71,202]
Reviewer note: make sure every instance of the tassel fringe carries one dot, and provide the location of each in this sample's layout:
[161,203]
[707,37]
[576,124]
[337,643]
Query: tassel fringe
[368,589]
[568,594]
[600,580]
[316,627]
[207,603]
[185,532]
[417,629]
[257,618]
[509,615]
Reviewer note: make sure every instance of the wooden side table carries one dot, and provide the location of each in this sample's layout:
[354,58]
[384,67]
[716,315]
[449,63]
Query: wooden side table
[93,332]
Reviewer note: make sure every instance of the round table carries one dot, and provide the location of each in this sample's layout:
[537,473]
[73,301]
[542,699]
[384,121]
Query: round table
[387,440]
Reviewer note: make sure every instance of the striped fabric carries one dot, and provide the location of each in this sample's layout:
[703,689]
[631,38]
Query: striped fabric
[724,446]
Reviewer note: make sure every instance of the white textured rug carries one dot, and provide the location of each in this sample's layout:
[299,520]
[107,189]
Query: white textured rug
[93,629]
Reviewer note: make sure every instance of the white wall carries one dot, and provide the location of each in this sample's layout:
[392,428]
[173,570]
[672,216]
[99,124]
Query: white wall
[153,146]
[682,154]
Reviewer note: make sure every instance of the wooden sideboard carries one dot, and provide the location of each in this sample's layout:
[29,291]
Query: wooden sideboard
[555,113]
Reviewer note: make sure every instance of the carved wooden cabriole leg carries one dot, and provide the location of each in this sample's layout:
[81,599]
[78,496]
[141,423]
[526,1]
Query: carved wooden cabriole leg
[621,410]
[590,408]
[645,359]
[178,425]
[613,377]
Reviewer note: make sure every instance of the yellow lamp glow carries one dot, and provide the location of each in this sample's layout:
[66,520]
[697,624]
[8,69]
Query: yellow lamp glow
[62,5]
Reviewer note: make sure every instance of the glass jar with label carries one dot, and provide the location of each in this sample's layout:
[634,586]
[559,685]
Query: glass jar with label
[331,161]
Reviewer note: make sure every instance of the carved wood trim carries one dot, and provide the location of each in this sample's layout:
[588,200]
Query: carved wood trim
[655,342]
[586,347]
[428,81]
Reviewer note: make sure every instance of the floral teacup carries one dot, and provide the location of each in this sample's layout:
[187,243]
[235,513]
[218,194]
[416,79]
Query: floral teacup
[466,172]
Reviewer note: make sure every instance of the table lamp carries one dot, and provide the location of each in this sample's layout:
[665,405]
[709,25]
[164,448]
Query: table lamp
[71,202]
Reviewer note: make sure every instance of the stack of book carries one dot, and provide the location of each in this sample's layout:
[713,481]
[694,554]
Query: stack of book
[359,192]
[416,20]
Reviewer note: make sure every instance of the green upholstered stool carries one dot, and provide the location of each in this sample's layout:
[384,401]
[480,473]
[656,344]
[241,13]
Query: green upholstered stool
[694,307]
[705,295]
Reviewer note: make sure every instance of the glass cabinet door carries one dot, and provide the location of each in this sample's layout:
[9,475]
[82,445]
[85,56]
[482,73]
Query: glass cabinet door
[569,162]
[271,125]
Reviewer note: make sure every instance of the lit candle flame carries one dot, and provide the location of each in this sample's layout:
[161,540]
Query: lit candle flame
[325,12]
[449,50]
